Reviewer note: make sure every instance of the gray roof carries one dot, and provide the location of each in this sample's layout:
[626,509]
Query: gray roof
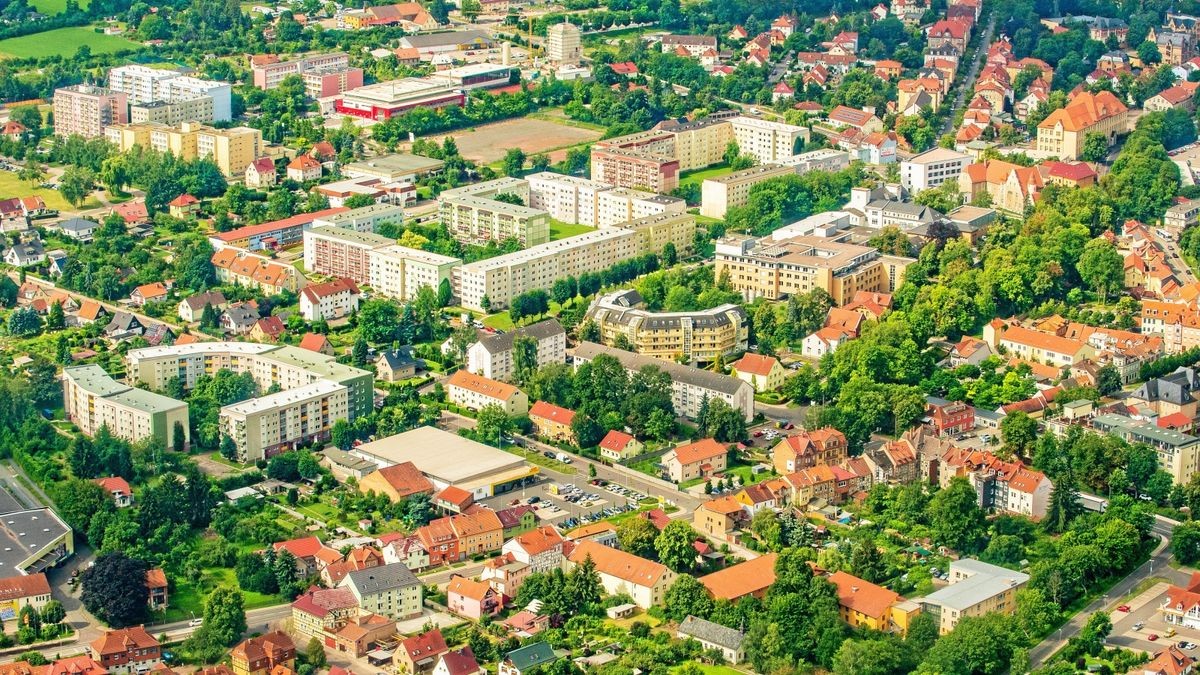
[587,351]
[910,209]
[76,225]
[122,321]
[26,534]
[503,342]
[241,315]
[199,300]
[1173,388]
[985,581]
[380,579]
[28,252]
[714,633]
[460,37]
[349,461]
[396,358]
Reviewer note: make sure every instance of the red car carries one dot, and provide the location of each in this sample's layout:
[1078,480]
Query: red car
[1123,608]
[789,426]
[1152,637]
[758,434]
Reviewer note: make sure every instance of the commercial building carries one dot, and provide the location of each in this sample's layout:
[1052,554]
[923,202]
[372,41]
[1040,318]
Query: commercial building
[1062,133]
[383,100]
[494,357]
[932,168]
[32,540]
[475,391]
[645,581]
[717,195]
[85,110]
[777,269]
[449,459]
[689,386]
[143,85]
[436,43]
[976,588]
[231,149]
[394,168]
[695,336]
[502,278]
[93,400]
[19,591]
[472,213]
[563,44]
[315,390]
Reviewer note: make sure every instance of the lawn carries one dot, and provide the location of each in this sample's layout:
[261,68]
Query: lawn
[561,230]
[698,176]
[11,186]
[54,6]
[187,600]
[63,42]
[709,669]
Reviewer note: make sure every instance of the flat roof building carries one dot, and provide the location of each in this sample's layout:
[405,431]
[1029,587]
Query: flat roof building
[473,215]
[232,150]
[717,195]
[397,167]
[976,588]
[86,110]
[31,540]
[374,260]
[696,336]
[93,400]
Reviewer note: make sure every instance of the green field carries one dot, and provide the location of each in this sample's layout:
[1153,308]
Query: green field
[698,176]
[62,42]
[11,186]
[561,230]
[54,6]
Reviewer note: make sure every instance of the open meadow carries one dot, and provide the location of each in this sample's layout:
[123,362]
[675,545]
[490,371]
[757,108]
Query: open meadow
[62,42]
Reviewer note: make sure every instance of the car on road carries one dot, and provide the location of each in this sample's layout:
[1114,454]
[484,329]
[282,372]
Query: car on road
[549,454]
[195,623]
[1123,608]
[1152,637]
[1138,626]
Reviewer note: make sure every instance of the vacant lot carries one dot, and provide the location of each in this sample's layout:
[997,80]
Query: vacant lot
[11,186]
[487,144]
[62,42]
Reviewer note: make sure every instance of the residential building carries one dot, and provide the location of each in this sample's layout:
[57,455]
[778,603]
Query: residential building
[1007,487]
[475,391]
[459,536]
[420,653]
[330,300]
[1178,96]
[563,45]
[264,654]
[553,422]
[719,518]
[764,373]
[1181,215]
[93,400]
[1062,133]
[1177,452]
[118,488]
[397,365]
[932,168]
[277,233]
[949,418]
[232,149]
[541,549]
[976,588]
[472,599]
[255,271]
[867,606]
[826,446]
[264,426]
[472,215]
[458,662]
[728,641]
[694,45]
[777,269]
[205,100]
[646,582]
[125,651]
[750,578]
[192,307]
[696,336]
[78,229]
[494,356]
[86,110]
[303,169]
[1181,607]
[398,482]
[571,199]
[1170,661]
[883,213]
[322,610]
[525,660]
[689,386]
[389,590]
[718,195]
[843,117]
[156,584]
[23,590]
[375,260]
[411,16]
[618,446]
[700,459]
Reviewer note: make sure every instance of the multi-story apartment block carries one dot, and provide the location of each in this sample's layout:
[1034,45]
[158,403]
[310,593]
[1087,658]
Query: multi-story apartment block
[143,85]
[1005,487]
[717,195]
[339,252]
[689,386]
[563,44]
[473,215]
[655,232]
[231,149]
[199,109]
[374,260]
[476,391]
[93,400]
[932,168]
[570,199]
[696,336]
[274,234]
[494,357]
[1062,133]
[314,389]
[633,167]
[621,205]
[85,110]
[776,269]
[644,581]
[1177,452]
[1182,215]
[976,588]
[269,72]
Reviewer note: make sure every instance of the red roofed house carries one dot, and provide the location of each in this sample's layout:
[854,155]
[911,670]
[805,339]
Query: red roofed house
[261,655]
[809,448]
[888,69]
[1012,187]
[322,609]
[156,583]
[398,482]
[419,654]
[149,293]
[950,418]
[472,599]
[782,91]
[953,32]
[1068,174]
[1169,661]
[261,173]
[1181,607]
[1002,486]
[863,604]
[23,590]
[14,129]
[541,549]
[323,151]
[618,445]
[750,578]
[118,487]
[133,213]
[864,121]
[453,499]
[1062,133]
[626,68]
[128,650]
[458,662]
[1178,96]
[696,460]
[330,300]
[552,422]
[183,206]
[764,373]
[305,552]
[304,168]
[718,518]
[315,342]
[268,329]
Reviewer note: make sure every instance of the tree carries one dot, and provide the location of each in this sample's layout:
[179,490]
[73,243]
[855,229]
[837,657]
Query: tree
[871,657]
[53,612]
[514,162]
[674,546]
[980,645]
[224,618]
[32,173]
[75,185]
[178,437]
[687,597]
[1095,632]
[114,589]
[228,448]
[24,322]
[1101,267]
[1148,53]
[637,536]
[315,654]
[1019,433]
[492,422]
[55,318]
[79,501]
[724,422]
[358,353]
[1108,380]
[525,358]
[955,517]
[1185,542]
[444,295]
[1095,147]
[669,255]
[377,320]
[1064,505]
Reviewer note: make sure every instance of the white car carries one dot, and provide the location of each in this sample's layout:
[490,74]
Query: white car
[195,623]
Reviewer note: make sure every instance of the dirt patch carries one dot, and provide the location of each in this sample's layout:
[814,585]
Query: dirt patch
[488,143]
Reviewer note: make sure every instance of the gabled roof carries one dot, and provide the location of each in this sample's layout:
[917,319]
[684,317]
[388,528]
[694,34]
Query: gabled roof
[316,292]
[619,564]
[305,547]
[755,364]
[1085,110]
[699,451]
[469,588]
[539,540]
[616,441]
[746,578]
[406,479]
[551,412]
[123,640]
[23,586]
[862,596]
[425,645]
[314,342]
[263,165]
[482,385]
[713,633]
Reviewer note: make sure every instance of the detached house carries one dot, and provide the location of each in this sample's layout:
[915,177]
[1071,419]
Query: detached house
[261,173]
[861,120]
[124,651]
[764,373]
[192,307]
[475,392]
[541,549]
[303,169]
[643,580]
[472,599]
[330,300]
[618,446]
[553,422]
[264,654]
[147,293]
[419,654]
[695,460]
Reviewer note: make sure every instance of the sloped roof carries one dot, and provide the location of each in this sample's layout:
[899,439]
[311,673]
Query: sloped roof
[735,581]
[755,364]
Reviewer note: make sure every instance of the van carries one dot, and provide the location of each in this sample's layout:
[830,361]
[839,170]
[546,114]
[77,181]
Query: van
[563,457]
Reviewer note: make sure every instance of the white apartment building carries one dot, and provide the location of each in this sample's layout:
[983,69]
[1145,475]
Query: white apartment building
[330,300]
[768,141]
[146,85]
[622,205]
[363,219]
[142,84]
[374,260]
[494,357]
[1182,215]
[563,44]
[399,271]
[567,198]
[473,215]
[93,400]
[826,159]
[932,168]
[269,75]
[261,427]
[718,195]
[474,392]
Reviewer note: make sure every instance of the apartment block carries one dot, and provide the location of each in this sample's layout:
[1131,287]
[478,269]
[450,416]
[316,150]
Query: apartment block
[695,336]
[143,84]
[563,44]
[314,389]
[269,72]
[570,199]
[374,260]
[473,215]
[767,141]
[476,391]
[93,400]
[494,357]
[718,195]
[621,205]
[340,252]
[932,168]
[634,168]
[655,232]
[199,109]
[1178,453]
[399,271]
[976,588]
[776,269]
[826,159]
[85,110]
[231,149]
[362,219]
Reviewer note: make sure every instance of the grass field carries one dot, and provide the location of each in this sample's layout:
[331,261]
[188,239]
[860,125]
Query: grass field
[62,42]
[187,599]
[698,176]
[709,669]
[561,230]
[54,6]
[11,186]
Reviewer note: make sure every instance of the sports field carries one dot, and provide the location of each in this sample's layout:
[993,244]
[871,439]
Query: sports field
[54,6]
[487,143]
[62,42]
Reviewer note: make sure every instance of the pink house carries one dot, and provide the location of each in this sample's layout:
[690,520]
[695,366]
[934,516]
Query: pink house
[472,599]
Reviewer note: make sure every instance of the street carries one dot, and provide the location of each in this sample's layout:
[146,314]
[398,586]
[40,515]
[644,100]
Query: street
[968,83]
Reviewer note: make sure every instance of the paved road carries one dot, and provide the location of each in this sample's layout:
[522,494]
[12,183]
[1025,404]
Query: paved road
[1157,565]
[967,86]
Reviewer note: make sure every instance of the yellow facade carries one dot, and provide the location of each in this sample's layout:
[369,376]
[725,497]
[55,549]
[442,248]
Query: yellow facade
[231,149]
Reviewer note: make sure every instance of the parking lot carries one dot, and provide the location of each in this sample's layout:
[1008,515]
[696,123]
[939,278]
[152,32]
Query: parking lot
[591,502]
[1137,624]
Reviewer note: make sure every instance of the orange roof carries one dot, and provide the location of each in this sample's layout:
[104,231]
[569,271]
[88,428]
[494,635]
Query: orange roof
[186,339]
[619,564]
[862,596]
[298,220]
[315,292]
[1170,661]
[23,586]
[482,385]
[183,200]
[406,479]
[700,451]
[452,494]
[305,547]
[313,342]
[156,578]
[150,291]
[755,364]
[552,413]
[616,440]
[725,506]
[742,579]
[591,530]
[1039,340]
[304,163]
[540,540]
[468,588]
[1085,110]
[123,640]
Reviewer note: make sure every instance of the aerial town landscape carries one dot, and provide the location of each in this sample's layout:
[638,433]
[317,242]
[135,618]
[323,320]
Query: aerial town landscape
[649,337]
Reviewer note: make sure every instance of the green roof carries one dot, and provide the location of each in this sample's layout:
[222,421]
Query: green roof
[536,654]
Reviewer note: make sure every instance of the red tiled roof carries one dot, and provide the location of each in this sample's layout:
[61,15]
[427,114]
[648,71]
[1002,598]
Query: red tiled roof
[755,364]
[551,412]
[699,451]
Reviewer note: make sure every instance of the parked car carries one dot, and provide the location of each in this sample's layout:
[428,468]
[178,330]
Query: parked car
[1152,637]
[1123,608]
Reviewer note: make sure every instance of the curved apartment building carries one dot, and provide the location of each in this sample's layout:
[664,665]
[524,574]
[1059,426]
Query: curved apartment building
[696,336]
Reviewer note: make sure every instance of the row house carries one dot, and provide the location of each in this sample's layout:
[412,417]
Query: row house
[1008,487]
[246,269]
[460,536]
[892,462]
[809,448]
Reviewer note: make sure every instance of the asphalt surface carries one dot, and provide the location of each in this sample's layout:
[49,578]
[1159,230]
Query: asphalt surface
[967,87]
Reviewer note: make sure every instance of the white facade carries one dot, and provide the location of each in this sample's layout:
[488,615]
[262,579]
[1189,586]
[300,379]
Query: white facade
[496,361]
[326,306]
[263,426]
[567,198]
[932,168]
[768,141]
[563,44]
[399,272]
[145,85]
